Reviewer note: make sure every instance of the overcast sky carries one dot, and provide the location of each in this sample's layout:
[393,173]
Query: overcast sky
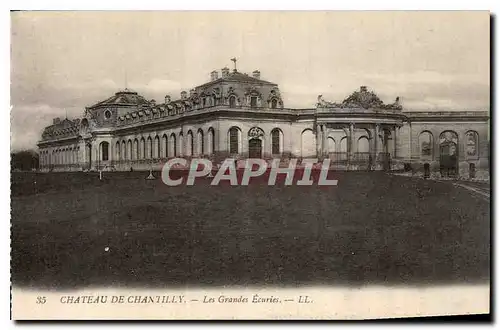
[64,61]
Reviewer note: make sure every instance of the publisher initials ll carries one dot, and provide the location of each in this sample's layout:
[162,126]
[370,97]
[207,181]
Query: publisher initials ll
[304,300]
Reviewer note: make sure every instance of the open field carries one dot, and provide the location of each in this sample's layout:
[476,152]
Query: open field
[371,228]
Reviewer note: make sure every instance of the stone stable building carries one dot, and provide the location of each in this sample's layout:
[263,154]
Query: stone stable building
[243,116]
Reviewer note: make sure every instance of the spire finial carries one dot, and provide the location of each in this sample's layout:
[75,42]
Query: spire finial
[234,60]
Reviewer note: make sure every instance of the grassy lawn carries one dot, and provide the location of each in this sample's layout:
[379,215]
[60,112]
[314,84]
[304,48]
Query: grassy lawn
[370,229]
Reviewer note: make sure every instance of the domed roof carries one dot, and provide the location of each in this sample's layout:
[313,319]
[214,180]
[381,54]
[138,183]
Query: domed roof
[124,97]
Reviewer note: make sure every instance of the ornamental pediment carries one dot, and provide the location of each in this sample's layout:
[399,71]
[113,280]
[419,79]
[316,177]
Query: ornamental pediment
[360,99]
[252,91]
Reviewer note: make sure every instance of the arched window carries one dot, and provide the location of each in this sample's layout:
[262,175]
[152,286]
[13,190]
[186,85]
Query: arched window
[471,144]
[173,145]
[234,140]
[275,141]
[143,149]
[448,144]
[211,141]
[308,144]
[331,145]
[157,147]
[253,101]
[425,142]
[165,152]
[190,144]
[150,148]
[104,151]
[136,149]
[130,151]
[117,151]
[124,150]
[343,144]
[232,101]
[274,103]
[363,144]
[200,143]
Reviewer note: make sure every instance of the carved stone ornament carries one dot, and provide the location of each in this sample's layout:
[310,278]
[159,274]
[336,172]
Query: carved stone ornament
[255,132]
[252,91]
[216,92]
[361,99]
[447,137]
[195,99]
[274,94]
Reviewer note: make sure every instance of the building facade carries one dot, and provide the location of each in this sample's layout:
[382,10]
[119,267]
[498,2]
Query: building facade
[243,116]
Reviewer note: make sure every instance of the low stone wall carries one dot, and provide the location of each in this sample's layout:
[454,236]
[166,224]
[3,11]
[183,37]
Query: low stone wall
[481,176]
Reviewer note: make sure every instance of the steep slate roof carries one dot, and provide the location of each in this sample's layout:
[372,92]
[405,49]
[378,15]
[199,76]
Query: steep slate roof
[237,76]
[65,127]
[125,97]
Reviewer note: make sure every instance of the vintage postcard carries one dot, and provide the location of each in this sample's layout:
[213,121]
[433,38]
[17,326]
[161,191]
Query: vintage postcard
[249,165]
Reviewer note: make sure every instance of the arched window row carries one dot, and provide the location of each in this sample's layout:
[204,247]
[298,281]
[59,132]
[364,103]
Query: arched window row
[59,156]
[448,140]
[167,145]
[235,141]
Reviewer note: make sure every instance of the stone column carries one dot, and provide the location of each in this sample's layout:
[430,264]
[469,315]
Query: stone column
[96,154]
[318,140]
[180,145]
[377,133]
[396,132]
[325,141]
[216,146]
[436,149]
[86,155]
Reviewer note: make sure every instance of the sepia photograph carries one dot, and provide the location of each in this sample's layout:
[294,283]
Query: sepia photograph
[250,164]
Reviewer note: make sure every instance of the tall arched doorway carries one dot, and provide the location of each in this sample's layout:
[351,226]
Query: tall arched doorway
[104,151]
[308,144]
[448,153]
[255,140]
[255,148]
[332,147]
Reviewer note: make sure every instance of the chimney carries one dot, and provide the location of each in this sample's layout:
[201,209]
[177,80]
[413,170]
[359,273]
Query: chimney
[363,89]
[225,72]
[183,95]
[214,75]
[56,120]
[167,99]
[256,74]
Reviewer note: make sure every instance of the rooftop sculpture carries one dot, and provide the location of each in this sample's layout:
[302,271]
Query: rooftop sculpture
[360,99]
